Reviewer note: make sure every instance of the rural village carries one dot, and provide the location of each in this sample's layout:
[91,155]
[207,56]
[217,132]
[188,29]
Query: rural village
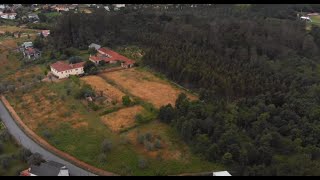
[77,103]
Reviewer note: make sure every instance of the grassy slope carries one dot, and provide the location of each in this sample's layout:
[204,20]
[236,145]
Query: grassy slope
[11,149]
[85,144]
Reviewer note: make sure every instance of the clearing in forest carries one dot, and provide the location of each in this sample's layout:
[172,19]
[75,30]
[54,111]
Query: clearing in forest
[100,85]
[122,119]
[147,86]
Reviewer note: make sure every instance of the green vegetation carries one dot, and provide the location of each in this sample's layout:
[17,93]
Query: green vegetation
[68,137]
[10,162]
[254,67]
[126,101]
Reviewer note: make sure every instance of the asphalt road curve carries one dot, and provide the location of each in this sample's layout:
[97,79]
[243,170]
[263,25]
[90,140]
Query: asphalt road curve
[28,143]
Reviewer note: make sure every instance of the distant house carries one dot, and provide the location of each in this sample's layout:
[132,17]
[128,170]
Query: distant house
[33,17]
[73,7]
[63,70]
[306,18]
[8,15]
[110,56]
[26,45]
[45,33]
[107,8]
[31,53]
[49,168]
[313,14]
[221,173]
[118,6]
[96,46]
[61,7]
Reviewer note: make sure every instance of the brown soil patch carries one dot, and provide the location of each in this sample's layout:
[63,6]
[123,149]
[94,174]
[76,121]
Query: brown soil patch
[147,86]
[15,28]
[9,43]
[99,84]
[122,119]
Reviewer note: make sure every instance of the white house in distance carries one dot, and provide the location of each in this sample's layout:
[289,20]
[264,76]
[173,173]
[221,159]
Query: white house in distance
[62,70]
[96,46]
[9,15]
[221,173]
[306,18]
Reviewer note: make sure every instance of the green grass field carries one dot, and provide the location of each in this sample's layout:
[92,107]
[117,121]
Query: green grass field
[11,152]
[52,14]
[84,142]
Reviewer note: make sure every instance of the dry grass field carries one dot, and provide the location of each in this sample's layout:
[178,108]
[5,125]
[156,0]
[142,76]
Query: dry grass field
[121,119]
[39,107]
[15,29]
[146,86]
[108,90]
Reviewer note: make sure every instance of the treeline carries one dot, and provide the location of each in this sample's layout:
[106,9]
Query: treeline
[256,69]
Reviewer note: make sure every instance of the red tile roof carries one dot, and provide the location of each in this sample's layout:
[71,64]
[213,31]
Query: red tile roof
[25,173]
[30,50]
[62,66]
[99,57]
[114,56]
[45,33]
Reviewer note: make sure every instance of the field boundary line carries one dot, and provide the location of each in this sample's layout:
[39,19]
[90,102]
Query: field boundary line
[49,147]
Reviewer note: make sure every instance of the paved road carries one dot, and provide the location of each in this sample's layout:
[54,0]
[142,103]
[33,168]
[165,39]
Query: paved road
[34,147]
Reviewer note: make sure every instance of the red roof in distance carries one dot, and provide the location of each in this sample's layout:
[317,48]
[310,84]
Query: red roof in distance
[63,66]
[114,56]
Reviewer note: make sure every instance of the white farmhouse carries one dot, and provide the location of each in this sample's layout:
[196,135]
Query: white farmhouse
[306,18]
[63,70]
[221,173]
[9,15]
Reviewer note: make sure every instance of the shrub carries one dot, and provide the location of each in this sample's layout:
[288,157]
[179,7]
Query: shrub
[149,146]
[75,59]
[145,116]
[35,159]
[5,162]
[66,114]
[5,136]
[102,63]
[24,154]
[158,144]
[126,100]
[159,157]
[166,113]
[68,91]
[148,136]
[140,138]
[47,134]
[93,106]
[102,158]
[106,145]
[1,148]
[142,163]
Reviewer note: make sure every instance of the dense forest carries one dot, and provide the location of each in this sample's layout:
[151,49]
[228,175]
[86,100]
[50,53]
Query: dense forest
[256,68]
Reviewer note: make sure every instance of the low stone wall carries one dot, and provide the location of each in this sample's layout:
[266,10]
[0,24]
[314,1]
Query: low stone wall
[49,147]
